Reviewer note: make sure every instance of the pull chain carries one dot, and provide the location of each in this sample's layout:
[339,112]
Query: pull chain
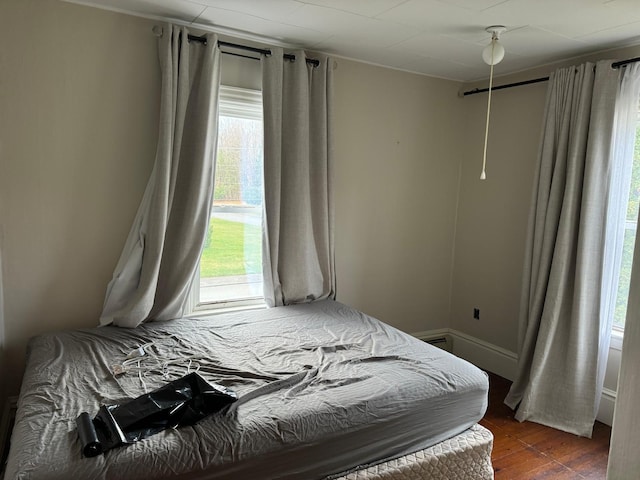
[483,175]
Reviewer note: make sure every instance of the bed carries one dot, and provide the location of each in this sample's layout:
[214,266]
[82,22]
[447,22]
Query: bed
[324,392]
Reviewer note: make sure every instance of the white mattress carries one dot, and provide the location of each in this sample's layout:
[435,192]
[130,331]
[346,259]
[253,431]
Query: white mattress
[322,388]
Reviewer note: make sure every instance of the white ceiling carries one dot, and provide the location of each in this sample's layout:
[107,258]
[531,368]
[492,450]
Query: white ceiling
[442,38]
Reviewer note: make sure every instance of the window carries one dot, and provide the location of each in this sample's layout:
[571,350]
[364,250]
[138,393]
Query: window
[631,226]
[230,271]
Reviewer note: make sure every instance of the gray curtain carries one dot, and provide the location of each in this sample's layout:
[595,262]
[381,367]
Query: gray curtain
[153,276]
[298,245]
[561,351]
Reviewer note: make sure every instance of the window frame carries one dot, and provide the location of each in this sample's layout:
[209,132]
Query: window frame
[246,104]
[617,331]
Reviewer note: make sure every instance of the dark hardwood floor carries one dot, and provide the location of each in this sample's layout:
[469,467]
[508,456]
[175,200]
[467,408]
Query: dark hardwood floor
[523,451]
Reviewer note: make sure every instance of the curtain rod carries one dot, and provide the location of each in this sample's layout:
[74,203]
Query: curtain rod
[619,64]
[261,51]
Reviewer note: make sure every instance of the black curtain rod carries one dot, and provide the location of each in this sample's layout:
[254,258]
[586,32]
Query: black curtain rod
[508,85]
[261,51]
[619,64]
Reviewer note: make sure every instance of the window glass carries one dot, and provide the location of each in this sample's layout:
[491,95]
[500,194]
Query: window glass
[231,262]
[631,226]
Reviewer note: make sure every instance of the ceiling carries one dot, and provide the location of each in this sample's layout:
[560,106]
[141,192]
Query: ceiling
[442,38]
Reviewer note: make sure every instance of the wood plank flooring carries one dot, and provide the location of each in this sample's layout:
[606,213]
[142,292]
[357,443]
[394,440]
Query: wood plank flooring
[529,451]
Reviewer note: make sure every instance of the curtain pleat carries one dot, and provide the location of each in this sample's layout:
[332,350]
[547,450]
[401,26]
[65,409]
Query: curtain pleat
[153,276]
[298,245]
[561,352]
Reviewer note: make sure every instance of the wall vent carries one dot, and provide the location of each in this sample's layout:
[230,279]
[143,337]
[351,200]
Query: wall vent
[443,342]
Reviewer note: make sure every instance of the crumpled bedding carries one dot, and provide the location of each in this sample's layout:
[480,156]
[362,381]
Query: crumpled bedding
[322,388]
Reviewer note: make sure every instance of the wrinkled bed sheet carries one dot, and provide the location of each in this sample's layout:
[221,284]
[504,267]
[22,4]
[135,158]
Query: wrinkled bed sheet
[323,388]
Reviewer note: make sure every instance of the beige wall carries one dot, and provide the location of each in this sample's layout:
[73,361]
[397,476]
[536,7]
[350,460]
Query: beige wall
[2,354]
[78,122]
[81,86]
[396,169]
[420,240]
[493,214]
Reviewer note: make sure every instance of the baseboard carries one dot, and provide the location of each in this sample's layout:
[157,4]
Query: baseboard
[607,404]
[485,355]
[501,361]
[438,338]
[482,354]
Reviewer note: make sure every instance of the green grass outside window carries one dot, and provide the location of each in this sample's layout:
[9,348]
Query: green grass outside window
[231,248]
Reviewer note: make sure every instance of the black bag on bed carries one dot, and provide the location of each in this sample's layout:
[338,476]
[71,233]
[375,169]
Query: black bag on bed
[179,403]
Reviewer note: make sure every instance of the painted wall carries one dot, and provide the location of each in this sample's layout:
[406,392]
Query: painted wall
[397,163]
[78,96]
[2,356]
[493,214]
[81,86]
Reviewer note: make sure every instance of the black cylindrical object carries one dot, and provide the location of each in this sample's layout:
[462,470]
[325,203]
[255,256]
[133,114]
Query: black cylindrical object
[91,445]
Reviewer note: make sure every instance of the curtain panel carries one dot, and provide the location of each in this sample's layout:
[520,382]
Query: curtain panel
[563,339]
[153,276]
[298,243]
[624,461]
[624,139]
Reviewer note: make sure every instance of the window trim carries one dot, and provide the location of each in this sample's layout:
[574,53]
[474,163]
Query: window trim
[617,331]
[617,335]
[239,103]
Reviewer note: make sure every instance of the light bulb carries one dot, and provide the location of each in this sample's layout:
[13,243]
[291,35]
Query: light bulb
[495,57]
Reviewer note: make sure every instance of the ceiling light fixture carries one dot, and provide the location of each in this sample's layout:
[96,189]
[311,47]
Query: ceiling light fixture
[492,54]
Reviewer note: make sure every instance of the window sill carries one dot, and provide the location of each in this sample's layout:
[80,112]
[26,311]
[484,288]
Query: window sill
[227,307]
[617,335]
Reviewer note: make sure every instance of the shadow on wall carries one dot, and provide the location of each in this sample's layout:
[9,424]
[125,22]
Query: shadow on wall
[2,355]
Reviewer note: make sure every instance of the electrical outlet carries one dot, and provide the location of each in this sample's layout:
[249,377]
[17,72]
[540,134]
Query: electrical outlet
[476,313]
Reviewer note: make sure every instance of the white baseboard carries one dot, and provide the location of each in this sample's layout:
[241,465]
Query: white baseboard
[436,338]
[485,355]
[501,361]
[429,334]
[607,404]
[482,354]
